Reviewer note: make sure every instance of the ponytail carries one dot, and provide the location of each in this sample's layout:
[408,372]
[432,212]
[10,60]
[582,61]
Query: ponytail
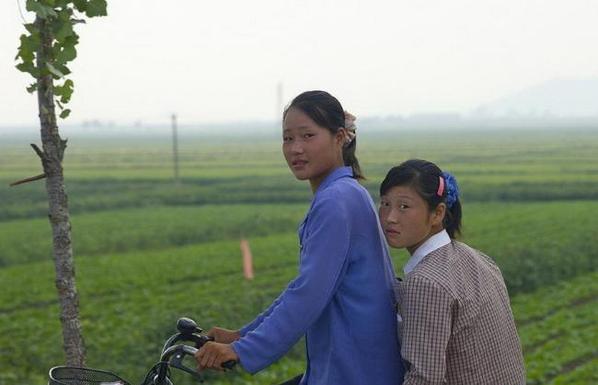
[351,160]
[452,219]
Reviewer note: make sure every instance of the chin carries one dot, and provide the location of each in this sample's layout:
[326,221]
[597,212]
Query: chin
[300,175]
[394,244]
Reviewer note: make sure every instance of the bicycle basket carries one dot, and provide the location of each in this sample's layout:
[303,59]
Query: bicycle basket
[65,375]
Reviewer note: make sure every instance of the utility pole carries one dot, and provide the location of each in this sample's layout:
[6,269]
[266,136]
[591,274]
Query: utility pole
[175,149]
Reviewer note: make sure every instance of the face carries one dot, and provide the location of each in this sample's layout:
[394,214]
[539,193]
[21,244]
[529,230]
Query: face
[406,218]
[311,151]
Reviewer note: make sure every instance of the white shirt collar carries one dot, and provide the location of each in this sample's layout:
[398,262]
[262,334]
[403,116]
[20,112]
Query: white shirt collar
[436,241]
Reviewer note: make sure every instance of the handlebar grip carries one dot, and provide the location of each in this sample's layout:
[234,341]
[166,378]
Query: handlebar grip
[230,365]
[190,350]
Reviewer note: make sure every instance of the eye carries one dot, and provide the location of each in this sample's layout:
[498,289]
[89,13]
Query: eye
[308,135]
[384,204]
[286,139]
[403,206]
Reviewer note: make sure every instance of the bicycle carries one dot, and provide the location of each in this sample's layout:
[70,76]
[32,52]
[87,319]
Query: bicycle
[172,356]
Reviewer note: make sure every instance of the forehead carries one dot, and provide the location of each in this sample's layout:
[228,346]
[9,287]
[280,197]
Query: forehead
[297,119]
[402,192]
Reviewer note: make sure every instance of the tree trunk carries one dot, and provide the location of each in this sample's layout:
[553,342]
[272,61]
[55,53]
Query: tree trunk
[53,151]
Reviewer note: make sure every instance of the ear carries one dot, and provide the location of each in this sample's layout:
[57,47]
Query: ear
[438,215]
[341,136]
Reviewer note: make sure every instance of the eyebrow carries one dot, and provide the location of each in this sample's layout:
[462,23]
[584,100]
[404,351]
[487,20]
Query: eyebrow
[399,197]
[297,128]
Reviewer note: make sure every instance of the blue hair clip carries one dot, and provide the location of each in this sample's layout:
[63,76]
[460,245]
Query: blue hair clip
[452,189]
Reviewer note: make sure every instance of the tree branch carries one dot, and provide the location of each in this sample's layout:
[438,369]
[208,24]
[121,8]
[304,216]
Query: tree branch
[39,152]
[26,180]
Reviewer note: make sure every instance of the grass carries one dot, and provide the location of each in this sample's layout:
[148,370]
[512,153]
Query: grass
[113,174]
[558,332]
[149,251]
[129,304]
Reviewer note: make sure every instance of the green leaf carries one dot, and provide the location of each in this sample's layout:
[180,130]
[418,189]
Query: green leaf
[29,68]
[96,8]
[54,71]
[31,28]
[63,68]
[41,10]
[27,48]
[62,28]
[65,91]
[32,88]
[65,113]
[80,5]
[65,55]
[62,3]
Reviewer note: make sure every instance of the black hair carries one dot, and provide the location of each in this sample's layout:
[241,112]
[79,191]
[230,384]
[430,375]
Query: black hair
[424,178]
[326,111]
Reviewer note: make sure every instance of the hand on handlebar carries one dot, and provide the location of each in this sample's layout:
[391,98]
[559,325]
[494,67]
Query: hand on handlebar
[213,354]
[224,336]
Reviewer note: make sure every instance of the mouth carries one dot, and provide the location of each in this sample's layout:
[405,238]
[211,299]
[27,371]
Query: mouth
[298,163]
[392,232]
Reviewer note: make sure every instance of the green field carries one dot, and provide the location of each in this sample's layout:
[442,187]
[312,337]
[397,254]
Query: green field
[149,251]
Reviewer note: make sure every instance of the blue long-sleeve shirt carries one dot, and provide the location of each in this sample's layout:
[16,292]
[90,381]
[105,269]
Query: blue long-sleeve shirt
[342,299]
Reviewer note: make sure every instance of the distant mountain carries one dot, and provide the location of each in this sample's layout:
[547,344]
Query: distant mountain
[554,98]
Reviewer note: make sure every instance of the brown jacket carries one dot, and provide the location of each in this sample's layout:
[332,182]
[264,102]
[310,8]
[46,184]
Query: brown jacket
[457,326]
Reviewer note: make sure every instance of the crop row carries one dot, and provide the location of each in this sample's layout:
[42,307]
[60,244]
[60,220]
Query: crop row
[96,195]
[129,304]
[117,174]
[107,232]
[534,243]
[558,331]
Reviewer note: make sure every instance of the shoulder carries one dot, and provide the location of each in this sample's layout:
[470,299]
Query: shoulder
[473,256]
[449,255]
[419,287]
[454,264]
[437,267]
[436,264]
[344,194]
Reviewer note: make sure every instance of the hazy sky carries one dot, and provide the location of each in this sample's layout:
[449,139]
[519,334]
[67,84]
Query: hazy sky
[222,60]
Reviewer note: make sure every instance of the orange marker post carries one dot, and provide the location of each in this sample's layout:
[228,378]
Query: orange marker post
[247,259]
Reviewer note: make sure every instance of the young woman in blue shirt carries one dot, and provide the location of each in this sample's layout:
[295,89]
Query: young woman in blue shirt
[342,299]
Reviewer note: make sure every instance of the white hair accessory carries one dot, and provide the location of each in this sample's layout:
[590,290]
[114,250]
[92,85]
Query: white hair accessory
[350,128]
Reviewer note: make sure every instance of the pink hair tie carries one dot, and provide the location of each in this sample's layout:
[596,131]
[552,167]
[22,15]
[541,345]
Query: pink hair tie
[440,186]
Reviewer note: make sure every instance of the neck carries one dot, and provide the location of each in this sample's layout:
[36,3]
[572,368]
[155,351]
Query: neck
[413,248]
[317,181]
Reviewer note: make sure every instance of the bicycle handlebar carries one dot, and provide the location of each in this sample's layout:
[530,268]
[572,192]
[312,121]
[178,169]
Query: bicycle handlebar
[172,355]
[175,354]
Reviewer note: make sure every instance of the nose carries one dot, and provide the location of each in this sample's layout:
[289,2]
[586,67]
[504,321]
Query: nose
[392,216]
[296,147]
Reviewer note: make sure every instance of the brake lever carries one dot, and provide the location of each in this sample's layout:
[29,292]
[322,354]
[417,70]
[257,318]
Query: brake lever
[177,361]
[181,350]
